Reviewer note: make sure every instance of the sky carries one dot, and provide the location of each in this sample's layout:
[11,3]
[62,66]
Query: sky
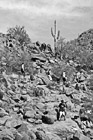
[37,16]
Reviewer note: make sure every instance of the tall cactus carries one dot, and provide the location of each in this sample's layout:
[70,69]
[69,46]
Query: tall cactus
[55,36]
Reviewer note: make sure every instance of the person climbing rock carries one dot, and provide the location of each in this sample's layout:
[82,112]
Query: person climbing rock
[77,76]
[23,69]
[49,74]
[31,77]
[77,86]
[64,78]
[62,110]
[1,95]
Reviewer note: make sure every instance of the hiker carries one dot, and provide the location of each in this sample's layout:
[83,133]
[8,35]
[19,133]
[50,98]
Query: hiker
[62,110]
[49,73]
[77,87]
[31,77]
[64,78]
[78,76]
[83,87]
[23,69]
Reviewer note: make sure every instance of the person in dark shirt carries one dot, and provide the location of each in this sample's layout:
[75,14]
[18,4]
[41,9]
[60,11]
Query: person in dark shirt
[62,110]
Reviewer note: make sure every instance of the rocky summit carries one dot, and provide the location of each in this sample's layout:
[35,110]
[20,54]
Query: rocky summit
[29,102]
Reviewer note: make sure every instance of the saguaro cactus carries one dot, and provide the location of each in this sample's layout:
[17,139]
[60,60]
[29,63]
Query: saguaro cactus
[55,36]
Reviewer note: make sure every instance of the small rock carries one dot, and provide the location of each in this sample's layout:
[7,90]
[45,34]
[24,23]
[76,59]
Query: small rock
[16,109]
[38,122]
[82,78]
[23,98]
[38,116]
[31,120]
[24,92]
[30,114]
[22,128]
[16,98]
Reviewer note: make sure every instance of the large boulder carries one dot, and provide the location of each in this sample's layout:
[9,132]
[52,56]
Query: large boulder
[79,136]
[41,135]
[48,119]
[25,136]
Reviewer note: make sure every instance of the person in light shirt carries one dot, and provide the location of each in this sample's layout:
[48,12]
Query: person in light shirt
[64,77]
[23,69]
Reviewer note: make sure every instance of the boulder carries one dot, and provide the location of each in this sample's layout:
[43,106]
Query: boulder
[31,120]
[82,78]
[41,135]
[13,123]
[29,114]
[23,128]
[48,119]
[32,135]
[6,134]
[79,136]
[1,95]
[18,136]
[38,121]
[83,137]
[52,136]
[3,112]
[44,78]
[25,136]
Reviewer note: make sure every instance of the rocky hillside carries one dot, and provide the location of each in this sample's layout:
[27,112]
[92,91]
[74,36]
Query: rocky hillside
[86,39]
[79,50]
[29,105]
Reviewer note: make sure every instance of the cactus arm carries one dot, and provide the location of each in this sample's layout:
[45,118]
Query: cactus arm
[58,35]
[55,27]
[52,32]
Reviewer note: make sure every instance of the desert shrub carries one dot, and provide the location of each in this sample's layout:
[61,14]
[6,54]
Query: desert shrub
[60,47]
[20,34]
[38,92]
[15,58]
[90,60]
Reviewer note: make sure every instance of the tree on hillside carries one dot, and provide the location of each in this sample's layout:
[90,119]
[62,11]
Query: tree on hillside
[20,34]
